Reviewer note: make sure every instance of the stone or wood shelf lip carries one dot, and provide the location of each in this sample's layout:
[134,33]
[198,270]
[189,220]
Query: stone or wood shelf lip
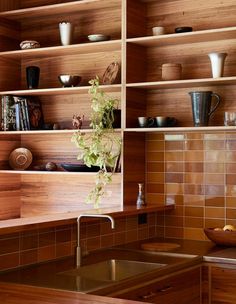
[34,172]
[184,83]
[60,91]
[50,132]
[73,49]
[58,9]
[118,211]
[186,38]
[182,129]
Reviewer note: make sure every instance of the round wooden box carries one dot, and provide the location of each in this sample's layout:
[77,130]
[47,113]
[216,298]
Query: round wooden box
[171,71]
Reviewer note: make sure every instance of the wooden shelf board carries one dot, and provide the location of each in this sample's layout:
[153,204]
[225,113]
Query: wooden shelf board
[58,9]
[60,91]
[183,129]
[29,172]
[119,211]
[48,132]
[186,83]
[186,38]
[73,49]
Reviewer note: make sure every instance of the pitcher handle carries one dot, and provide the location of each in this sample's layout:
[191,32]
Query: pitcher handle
[217,103]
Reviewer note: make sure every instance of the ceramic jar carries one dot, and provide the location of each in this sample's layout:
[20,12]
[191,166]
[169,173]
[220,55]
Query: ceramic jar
[171,71]
[65,29]
[217,64]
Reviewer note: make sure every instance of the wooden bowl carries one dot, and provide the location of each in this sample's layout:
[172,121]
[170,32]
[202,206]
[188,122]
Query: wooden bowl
[221,237]
[20,159]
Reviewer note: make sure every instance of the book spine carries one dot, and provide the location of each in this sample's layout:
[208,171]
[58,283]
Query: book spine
[17,110]
[6,126]
[27,113]
[21,118]
[2,113]
[23,114]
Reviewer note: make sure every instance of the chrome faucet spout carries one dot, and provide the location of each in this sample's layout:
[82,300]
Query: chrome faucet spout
[78,248]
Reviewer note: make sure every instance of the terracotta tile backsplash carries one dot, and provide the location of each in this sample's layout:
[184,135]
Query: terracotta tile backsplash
[34,246]
[198,174]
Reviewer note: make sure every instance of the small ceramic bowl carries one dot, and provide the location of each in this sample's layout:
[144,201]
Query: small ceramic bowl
[20,159]
[98,37]
[69,80]
[29,44]
[183,29]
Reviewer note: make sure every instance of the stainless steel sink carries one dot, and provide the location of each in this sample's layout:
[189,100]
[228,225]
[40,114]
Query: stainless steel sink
[112,270]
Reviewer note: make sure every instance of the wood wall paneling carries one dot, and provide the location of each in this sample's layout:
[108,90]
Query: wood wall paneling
[134,165]
[135,106]
[136,19]
[136,63]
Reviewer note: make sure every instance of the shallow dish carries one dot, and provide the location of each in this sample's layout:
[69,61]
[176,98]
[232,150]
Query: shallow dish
[29,44]
[221,237]
[183,29]
[69,80]
[79,167]
[20,159]
[98,37]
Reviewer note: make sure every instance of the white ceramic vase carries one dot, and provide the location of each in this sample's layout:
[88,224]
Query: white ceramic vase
[217,64]
[66,30]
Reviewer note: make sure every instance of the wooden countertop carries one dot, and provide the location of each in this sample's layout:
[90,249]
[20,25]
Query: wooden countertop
[20,294]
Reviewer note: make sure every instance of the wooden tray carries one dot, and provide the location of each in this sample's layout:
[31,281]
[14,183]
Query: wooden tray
[159,246]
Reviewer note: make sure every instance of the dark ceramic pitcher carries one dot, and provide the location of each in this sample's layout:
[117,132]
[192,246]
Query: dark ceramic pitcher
[201,106]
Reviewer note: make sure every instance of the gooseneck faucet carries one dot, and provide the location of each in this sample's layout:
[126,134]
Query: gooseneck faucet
[78,248]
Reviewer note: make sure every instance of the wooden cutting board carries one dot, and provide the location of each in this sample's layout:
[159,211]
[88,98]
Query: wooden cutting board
[159,246]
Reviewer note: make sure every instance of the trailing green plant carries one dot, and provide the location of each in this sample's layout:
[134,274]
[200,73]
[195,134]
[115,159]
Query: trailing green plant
[101,147]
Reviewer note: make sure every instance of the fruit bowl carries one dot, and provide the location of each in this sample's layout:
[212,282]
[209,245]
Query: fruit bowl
[221,237]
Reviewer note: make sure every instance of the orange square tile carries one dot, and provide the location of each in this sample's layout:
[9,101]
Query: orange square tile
[174,199]
[8,261]
[195,135]
[174,156]
[194,145]
[93,243]
[63,249]
[155,136]
[217,190]
[230,156]
[230,179]
[231,190]
[215,156]
[193,211]
[155,156]
[212,223]
[46,253]
[178,211]
[196,234]
[174,189]
[29,257]
[194,200]
[143,233]
[231,214]
[154,145]
[214,145]
[107,240]
[132,222]
[215,179]
[119,238]
[195,156]
[193,189]
[215,201]
[216,136]
[174,177]
[155,199]
[194,222]
[155,177]
[194,167]
[231,145]
[174,166]
[230,202]
[174,232]
[155,167]
[212,212]
[155,188]
[9,245]
[174,221]
[230,168]
[194,178]
[131,235]
[214,167]
[174,145]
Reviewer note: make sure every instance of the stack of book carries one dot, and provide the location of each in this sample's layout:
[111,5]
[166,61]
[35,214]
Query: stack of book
[20,113]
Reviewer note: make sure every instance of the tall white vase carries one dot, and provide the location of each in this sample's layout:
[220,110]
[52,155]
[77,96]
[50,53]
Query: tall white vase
[217,64]
[66,30]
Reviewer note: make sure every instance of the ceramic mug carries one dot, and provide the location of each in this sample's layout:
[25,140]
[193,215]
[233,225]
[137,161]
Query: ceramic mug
[145,122]
[158,30]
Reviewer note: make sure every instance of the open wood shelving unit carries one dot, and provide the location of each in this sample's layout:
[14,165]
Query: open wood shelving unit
[141,90]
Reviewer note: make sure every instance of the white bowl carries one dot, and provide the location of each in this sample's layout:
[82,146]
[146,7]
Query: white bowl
[98,37]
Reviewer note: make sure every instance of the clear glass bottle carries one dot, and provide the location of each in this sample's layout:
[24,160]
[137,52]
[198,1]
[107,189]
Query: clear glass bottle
[140,198]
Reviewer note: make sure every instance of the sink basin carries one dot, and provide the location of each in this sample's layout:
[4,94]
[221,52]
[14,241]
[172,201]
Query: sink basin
[112,270]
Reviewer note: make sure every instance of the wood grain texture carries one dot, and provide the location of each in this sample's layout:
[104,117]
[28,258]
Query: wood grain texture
[15,294]
[134,166]
[223,284]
